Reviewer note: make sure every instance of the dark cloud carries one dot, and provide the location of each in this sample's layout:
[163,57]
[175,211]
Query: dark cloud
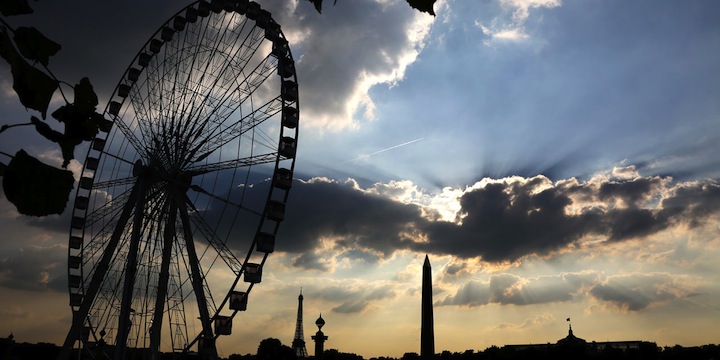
[338,51]
[639,291]
[362,220]
[507,221]
[360,255]
[35,268]
[696,201]
[629,192]
[310,261]
[455,268]
[501,220]
[96,41]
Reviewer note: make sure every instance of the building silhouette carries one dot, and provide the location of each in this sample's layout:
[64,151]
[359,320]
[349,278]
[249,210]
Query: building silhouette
[298,344]
[427,332]
[579,347]
[319,338]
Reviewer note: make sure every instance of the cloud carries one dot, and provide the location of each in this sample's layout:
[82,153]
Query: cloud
[312,261]
[455,268]
[521,8]
[528,323]
[625,292]
[509,289]
[509,26]
[635,292]
[350,217]
[35,268]
[362,299]
[496,220]
[340,55]
[493,221]
[349,296]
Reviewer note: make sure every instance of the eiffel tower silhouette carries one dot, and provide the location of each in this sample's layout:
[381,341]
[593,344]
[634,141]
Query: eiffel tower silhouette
[298,343]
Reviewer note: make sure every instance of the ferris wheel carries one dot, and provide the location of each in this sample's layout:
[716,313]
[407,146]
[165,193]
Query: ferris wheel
[184,188]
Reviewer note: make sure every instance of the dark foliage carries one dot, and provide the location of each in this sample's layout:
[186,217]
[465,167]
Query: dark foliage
[273,349]
[35,188]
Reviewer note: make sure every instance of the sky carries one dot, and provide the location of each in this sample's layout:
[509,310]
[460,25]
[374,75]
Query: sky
[554,159]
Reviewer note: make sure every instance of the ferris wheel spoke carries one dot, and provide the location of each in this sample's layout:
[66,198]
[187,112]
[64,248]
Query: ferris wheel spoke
[96,246]
[222,84]
[208,92]
[246,123]
[245,89]
[130,136]
[233,164]
[223,103]
[225,201]
[113,183]
[139,109]
[214,240]
[110,208]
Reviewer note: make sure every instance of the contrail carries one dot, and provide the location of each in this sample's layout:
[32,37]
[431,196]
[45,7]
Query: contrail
[381,151]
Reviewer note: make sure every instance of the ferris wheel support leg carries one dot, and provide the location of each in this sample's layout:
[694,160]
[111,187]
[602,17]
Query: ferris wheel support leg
[169,238]
[197,283]
[80,315]
[130,270]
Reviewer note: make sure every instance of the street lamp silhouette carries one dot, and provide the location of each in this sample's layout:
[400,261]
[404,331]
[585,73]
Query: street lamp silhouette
[319,338]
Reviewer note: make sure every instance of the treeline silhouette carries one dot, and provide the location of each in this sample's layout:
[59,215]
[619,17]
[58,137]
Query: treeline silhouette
[273,349]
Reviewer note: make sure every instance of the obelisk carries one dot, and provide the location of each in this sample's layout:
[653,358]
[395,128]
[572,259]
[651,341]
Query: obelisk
[427,333]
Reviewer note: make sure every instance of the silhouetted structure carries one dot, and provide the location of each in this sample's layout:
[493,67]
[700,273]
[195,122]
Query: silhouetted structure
[6,346]
[319,338]
[427,332]
[298,343]
[574,347]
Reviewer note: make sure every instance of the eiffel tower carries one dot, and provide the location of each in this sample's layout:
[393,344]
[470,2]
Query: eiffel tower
[298,343]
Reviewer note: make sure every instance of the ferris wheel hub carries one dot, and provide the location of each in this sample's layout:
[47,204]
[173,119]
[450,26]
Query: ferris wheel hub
[138,168]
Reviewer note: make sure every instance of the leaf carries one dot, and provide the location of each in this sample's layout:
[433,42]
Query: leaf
[2,169]
[318,5]
[34,87]
[80,118]
[423,5]
[67,143]
[85,98]
[33,45]
[45,130]
[79,124]
[15,7]
[36,189]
